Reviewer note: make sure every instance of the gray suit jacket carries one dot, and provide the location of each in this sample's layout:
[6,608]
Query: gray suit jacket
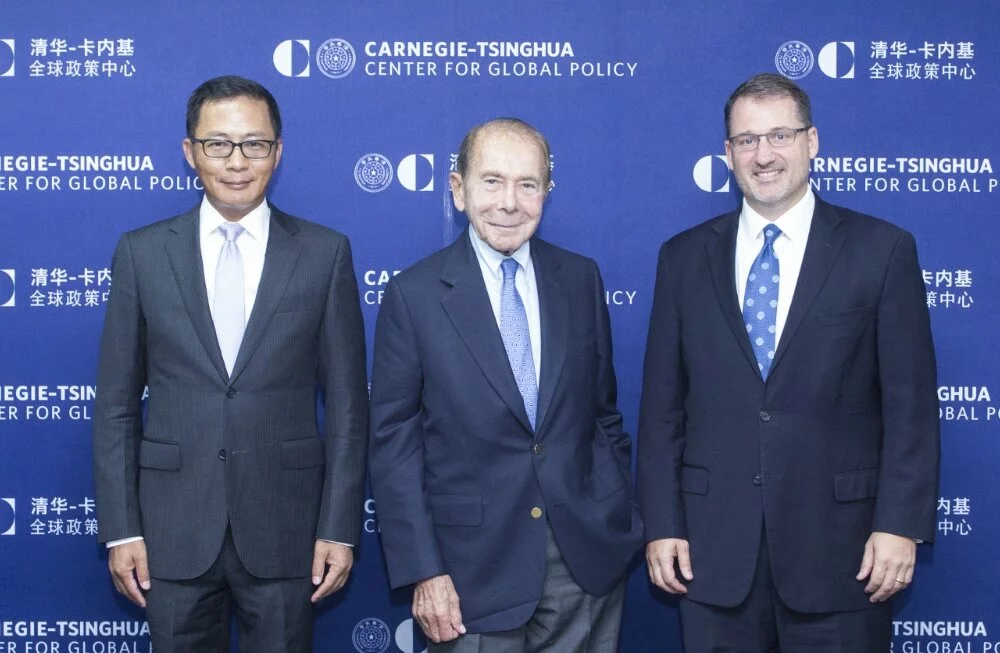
[243,451]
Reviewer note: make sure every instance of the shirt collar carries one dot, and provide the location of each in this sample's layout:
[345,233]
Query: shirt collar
[794,223]
[254,222]
[494,258]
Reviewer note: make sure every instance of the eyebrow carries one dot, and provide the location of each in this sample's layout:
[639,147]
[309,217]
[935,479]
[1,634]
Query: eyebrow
[773,129]
[491,173]
[249,135]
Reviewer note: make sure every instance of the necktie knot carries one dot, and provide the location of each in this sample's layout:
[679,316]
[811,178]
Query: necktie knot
[509,267]
[771,233]
[231,231]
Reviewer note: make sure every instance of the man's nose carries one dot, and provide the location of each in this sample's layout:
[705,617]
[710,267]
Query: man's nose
[236,160]
[508,197]
[764,153]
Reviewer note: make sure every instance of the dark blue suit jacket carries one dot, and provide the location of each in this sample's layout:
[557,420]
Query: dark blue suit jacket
[455,467]
[842,439]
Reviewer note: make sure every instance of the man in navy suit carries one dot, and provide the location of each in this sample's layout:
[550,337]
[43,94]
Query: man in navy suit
[497,456]
[788,434]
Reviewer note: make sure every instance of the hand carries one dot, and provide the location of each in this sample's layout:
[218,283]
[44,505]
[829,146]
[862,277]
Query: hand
[660,558]
[339,558]
[887,564]
[435,607]
[130,570]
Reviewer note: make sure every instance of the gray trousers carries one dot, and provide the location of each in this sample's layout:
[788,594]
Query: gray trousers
[567,619]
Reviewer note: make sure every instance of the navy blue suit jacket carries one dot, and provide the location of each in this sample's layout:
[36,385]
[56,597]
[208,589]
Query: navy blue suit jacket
[841,440]
[456,469]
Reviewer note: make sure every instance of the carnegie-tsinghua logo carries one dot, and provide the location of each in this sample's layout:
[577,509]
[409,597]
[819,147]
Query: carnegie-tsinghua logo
[7,513]
[371,635]
[373,172]
[794,59]
[836,59]
[7,297]
[291,58]
[336,58]
[6,57]
[711,173]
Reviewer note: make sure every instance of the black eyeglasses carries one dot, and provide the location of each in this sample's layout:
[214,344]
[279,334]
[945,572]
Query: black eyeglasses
[218,148]
[777,138]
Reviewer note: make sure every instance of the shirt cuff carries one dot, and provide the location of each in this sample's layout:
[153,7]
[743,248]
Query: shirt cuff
[349,546]
[126,540]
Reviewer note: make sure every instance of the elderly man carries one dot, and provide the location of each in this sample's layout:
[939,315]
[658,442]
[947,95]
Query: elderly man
[226,498]
[498,460]
[788,429]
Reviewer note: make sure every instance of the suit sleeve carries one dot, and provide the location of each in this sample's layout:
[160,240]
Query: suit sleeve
[661,415]
[117,426]
[397,447]
[908,480]
[609,420]
[344,378]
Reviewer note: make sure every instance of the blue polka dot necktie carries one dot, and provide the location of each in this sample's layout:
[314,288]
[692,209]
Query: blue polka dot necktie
[516,339]
[760,302]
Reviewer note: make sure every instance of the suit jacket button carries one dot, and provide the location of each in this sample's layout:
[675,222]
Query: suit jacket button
[537,448]
[536,512]
[222,454]
[756,479]
[231,393]
[765,416]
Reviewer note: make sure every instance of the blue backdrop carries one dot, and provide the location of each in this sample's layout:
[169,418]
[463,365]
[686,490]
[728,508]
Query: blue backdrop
[376,97]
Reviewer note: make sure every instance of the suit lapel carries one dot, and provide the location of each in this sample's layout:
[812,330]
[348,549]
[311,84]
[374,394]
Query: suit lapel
[721,252]
[184,254]
[468,307]
[279,261]
[553,308]
[822,247]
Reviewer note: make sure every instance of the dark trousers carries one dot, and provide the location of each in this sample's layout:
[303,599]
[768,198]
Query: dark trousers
[764,624]
[192,616]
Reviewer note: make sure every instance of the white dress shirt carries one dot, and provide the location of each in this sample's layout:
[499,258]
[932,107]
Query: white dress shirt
[524,282]
[789,249]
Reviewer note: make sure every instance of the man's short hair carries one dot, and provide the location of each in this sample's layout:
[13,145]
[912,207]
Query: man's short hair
[230,86]
[771,85]
[516,125]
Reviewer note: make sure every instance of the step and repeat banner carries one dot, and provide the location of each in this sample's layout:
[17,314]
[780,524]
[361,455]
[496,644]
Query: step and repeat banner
[376,97]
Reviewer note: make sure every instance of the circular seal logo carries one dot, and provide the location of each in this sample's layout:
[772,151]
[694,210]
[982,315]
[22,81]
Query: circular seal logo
[336,58]
[794,59]
[373,172]
[371,635]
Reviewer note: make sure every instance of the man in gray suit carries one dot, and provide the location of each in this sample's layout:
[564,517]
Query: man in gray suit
[225,498]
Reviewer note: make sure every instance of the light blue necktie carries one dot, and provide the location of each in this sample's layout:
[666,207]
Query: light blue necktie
[229,315]
[516,339]
[760,302]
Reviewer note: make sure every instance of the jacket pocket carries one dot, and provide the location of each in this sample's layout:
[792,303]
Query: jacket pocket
[302,454]
[857,317]
[456,509]
[157,454]
[694,480]
[856,485]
